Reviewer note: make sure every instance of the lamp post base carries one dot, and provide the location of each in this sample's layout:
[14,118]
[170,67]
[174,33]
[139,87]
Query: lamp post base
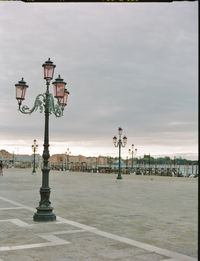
[44,214]
[119,177]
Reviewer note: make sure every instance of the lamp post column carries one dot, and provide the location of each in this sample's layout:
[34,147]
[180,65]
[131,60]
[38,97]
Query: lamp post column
[45,210]
[34,161]
[68,162]
[65,164]
[45,102]
[132,153]
[67,153]
[132,160]
[119,165]
[34,148]
[149,163]
[119,144]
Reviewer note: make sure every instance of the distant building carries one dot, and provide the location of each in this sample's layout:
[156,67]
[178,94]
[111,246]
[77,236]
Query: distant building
[16,160]
[80,162]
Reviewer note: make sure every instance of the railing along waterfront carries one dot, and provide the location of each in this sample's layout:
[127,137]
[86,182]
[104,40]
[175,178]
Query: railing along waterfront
[167,170]
[159,170]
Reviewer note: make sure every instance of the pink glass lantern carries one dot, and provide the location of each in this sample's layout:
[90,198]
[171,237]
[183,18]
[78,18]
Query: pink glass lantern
[124,140]
[63,100]
[114,140]
[48,69]
[21,87]
[59,88]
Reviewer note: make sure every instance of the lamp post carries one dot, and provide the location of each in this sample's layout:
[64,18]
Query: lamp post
[13,159]
[149,164]
[34,148]
[131,151]
[67,153]
[119,143]
[45,102]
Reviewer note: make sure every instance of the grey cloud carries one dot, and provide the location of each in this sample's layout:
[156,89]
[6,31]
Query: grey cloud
[128,65]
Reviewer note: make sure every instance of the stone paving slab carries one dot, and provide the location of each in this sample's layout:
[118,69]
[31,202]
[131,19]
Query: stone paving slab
[98,218]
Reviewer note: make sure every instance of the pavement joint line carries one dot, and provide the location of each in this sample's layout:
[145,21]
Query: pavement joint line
[17,222]
[17,204]
[21,223]
[169,259]
[71,231]
[76,224]
[11,208]
[28,246]
[132,242]
[144,246]
[54,239]
[148,247]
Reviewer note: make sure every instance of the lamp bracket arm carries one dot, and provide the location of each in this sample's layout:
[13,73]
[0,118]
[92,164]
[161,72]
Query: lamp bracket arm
[116,144]
[56,109]
[39,102]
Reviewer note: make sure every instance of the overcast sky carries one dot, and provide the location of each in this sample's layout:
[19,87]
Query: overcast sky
[129,65]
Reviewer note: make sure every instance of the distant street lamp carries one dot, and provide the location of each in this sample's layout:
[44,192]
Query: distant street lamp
[174,161]
[67,153]
[45,102]
[109,162]
[132,151]
[34,148]
[13,159]
[149,164]
[119,143]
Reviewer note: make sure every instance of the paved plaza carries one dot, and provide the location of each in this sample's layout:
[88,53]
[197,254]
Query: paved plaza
[99,218]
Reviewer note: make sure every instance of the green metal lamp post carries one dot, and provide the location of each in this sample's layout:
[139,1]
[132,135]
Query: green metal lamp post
[132,151]
[34,148]
[149,164]
[67,153]
[45,102]
[119,143]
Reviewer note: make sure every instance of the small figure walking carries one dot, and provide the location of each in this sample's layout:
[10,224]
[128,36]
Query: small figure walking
[1,168]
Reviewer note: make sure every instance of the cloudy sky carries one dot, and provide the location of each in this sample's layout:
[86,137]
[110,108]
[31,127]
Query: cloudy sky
[126,65]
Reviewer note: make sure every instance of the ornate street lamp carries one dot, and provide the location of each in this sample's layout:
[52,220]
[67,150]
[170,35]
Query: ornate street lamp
[45,102]
[149,164]
[34,148]
[132,151]
[119,143]
[67,153]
